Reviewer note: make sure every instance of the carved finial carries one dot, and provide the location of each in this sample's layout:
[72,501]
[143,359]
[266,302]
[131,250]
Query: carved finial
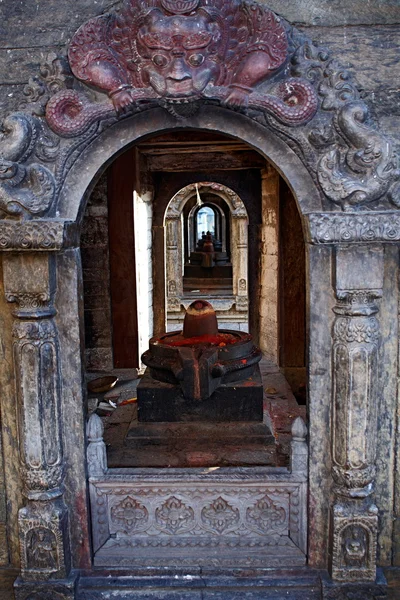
[299,430]
[298,448]
[96,450]
[95,428]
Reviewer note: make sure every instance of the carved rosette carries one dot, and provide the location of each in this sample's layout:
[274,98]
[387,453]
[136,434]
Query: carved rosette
[220,516]
[174,516]
[267,516]
[129,516]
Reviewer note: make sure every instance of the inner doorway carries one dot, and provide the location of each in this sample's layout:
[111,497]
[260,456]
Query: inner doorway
[206,249]
[140,186]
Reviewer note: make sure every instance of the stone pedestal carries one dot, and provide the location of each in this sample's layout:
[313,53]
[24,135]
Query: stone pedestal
[236,401]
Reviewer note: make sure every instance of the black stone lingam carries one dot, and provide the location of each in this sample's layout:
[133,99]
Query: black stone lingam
[201,373]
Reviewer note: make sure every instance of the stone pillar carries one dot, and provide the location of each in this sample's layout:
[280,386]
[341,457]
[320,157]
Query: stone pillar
[158,268]
[29,282]
[356,342]
[173,253]
[269,284]
[239,252]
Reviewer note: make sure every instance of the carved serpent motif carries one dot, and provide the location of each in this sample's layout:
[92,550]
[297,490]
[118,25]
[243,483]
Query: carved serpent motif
[23,189]
[295,104]
[70,114]
[364,170]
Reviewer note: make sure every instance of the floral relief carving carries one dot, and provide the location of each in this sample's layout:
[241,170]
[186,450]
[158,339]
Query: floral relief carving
[54,75]
[30,301]
[129,514]
[358,330]
[368,227]
[174,516]
[28,236]
[266,515]
[220,516]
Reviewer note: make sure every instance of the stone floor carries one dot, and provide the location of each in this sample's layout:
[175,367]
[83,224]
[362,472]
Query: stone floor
[131,444]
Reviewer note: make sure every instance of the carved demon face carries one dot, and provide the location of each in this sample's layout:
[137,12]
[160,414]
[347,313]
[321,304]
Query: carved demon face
[179,53]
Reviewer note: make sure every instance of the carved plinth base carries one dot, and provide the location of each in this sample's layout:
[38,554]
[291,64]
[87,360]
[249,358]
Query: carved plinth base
[355,527]
[65,589]
[353,591]
[43,531]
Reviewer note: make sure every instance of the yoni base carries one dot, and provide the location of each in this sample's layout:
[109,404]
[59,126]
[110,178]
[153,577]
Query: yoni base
[240,401]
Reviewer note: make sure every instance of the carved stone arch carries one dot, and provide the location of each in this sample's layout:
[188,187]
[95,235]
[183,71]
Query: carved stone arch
[235,203]
[191,216]
[301,98]
[301,110]
[91,161]
[174,242]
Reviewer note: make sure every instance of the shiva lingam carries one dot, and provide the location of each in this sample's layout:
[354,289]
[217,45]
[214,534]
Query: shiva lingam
[201,373]
[209,253]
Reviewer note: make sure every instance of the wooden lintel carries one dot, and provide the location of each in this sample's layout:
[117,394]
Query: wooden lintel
[203,161]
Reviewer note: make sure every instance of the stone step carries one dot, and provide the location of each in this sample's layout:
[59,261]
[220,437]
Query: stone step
[299,584]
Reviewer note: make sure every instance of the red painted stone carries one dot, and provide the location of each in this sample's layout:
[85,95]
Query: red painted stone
[180,51]
[200,320]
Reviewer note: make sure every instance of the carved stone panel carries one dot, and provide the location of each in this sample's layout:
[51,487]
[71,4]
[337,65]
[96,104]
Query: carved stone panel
[354,542]
[43,531]
[240,517]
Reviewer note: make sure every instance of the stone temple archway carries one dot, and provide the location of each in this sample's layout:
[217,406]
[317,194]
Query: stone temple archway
[238,232]
[300,109]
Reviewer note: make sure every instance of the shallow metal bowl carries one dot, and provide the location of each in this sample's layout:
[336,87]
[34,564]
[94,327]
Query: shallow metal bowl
[102,384]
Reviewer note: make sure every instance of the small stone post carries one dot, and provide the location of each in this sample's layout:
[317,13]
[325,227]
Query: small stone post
[96,450]
[298,447]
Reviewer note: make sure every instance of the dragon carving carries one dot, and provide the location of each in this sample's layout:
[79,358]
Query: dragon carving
[179,51]
[25,190]
[363,170]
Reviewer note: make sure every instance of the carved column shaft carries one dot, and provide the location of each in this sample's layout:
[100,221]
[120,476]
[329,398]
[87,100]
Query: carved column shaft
[174,272]
[356,339]
[239,253]
[43,523]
